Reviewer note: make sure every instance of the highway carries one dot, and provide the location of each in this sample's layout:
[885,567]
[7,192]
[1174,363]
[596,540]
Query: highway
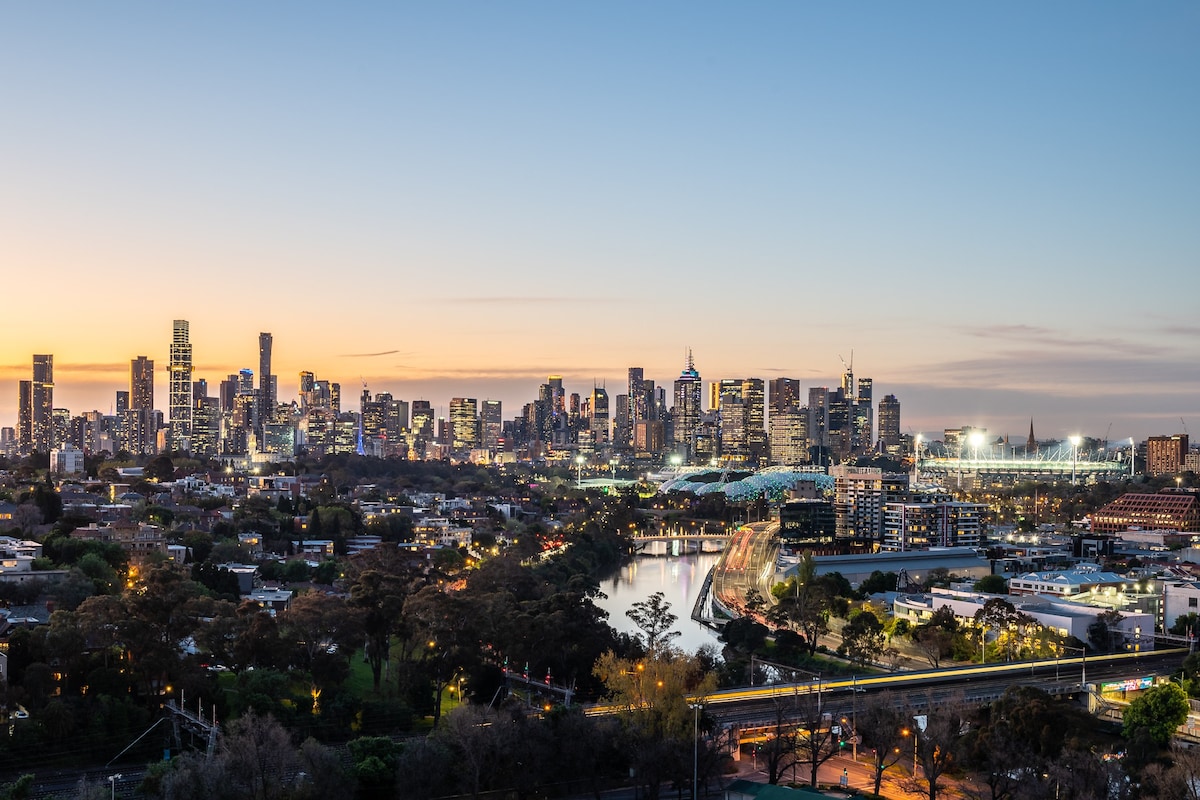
[748,562]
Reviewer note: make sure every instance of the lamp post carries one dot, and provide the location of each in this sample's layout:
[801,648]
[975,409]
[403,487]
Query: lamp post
[579,471]
[1083,664]
[1074,440]
[112,782]
[695,750]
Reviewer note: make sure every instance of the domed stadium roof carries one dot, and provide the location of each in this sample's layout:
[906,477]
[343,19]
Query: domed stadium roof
[743,485]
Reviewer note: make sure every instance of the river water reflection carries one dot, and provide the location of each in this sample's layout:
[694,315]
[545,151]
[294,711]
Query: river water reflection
[679,578]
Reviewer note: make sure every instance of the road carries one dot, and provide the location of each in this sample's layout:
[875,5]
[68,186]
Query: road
[748,562]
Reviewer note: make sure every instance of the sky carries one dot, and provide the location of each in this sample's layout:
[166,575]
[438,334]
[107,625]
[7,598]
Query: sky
[994,207]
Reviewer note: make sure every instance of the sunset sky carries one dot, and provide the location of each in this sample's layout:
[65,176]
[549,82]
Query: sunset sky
[996,207]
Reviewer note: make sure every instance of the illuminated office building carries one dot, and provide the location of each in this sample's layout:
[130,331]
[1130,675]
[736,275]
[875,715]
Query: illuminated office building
[686,412]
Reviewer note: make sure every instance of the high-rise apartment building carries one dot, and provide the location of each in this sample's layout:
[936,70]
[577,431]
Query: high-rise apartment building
[266,381]
[1165,454]
[35,413]
[25,417]
[860,495]
[141,423]
[639,398]
[141,383]
[179,389]
[889,425]
[685,414]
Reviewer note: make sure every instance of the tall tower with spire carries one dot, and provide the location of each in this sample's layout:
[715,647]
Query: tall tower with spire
[686,413]
[1031,446]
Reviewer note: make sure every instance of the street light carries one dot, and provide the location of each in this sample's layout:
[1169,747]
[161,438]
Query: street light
[695,750]
[1074,440]
[579,471]
[112,781]
[1083,663]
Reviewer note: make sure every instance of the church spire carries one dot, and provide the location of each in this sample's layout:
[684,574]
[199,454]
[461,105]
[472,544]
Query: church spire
[1031,444]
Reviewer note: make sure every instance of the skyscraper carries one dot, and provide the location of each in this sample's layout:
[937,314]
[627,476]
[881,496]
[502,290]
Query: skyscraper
[889,425]
[141,423]
[266,381]
[492,423]
[141,384]
[25,417]
[785,394]
[464,423]
[42,404]
[598,409]
[180,386]
[862,413]
[686,411]
[639,399]
[755,423]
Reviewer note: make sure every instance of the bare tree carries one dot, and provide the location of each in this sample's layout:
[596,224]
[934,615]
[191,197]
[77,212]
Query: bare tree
[938,734]
[779,752]
[882,723]
[259,757]
[816,742]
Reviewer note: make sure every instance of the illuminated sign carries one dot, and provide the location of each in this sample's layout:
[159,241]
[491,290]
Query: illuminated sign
[1130,685]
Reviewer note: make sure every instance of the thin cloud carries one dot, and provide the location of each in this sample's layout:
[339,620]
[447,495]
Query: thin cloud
[26,369]
[1182,330]
[369,355]
[1051,338]
[505,301]
[1060,374]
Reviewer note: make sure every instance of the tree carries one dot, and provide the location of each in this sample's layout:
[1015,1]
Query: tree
[654,618]
[656,720]
[1103,634]
[320,626]
[934,643]
[939,742]
[781,749]
[878,582]
[805,602]
[1180,780]
[992,584]
[881,724]
[862,638]
[160,468]
[1158,710]
[380,593]
[816,742]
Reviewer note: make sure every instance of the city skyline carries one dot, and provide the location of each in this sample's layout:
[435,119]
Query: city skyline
[993,208]
[521,392]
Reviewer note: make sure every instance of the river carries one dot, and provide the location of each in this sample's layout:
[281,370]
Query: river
[678,577]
